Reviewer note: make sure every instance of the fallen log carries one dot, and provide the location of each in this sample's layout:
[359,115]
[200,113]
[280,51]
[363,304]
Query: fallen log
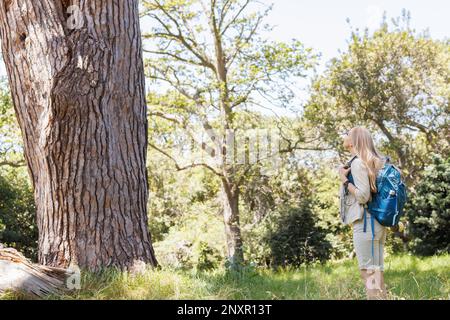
[19,274]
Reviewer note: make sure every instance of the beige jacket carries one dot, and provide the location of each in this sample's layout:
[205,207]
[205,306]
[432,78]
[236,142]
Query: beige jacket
[352,206]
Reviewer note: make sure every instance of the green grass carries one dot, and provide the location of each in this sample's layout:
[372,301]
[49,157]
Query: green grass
[407,277]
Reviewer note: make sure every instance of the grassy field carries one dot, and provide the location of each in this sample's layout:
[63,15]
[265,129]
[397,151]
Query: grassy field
[407,277]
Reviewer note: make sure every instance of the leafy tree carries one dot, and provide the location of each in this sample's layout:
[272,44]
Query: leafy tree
[395,82]
[218,69]
[11,153]
[18,215]
[429,210]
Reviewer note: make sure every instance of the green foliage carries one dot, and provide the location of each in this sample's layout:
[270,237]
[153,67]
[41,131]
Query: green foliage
[196,241]
[395,245]
[173,193]
[395,82]
[17,215]
[297,240]
[183,53]
[7,119]
[429,209]
[325,185]
[17,210]
[208,257]
[10,138]
[283,227]
[214,77]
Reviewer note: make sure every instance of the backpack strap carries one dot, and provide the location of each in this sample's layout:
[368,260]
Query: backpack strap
[365,219]
[350,177]
[351,161]
[372,225]
[396,213]
[372,222]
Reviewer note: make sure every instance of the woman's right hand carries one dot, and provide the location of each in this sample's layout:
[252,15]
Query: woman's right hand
[343,173]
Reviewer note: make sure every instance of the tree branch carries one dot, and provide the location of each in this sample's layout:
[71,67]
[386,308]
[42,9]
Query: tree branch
[13,164]
[182,168]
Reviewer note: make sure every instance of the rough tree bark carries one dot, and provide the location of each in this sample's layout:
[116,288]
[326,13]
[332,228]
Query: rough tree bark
[79,97]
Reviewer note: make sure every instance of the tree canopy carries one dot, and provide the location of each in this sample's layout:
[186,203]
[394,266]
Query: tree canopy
[395,82]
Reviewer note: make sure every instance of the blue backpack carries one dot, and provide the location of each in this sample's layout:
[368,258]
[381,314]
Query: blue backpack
[388,202]
[386,205]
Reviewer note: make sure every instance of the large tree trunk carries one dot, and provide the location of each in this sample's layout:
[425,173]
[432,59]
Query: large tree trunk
[80,101]
[230,198]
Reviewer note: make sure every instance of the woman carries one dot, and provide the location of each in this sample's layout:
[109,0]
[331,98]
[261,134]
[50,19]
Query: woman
[364,167]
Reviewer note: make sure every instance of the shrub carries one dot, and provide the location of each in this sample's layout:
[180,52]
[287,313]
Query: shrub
[295,227]
[17,216]
[196,242]
[289,236]
[208,257]
[429,210]
[297,239]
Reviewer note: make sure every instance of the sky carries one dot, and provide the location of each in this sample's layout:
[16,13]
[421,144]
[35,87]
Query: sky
[321,24]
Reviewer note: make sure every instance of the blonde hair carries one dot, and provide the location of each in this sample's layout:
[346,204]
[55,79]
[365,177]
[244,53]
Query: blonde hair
[364,146]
